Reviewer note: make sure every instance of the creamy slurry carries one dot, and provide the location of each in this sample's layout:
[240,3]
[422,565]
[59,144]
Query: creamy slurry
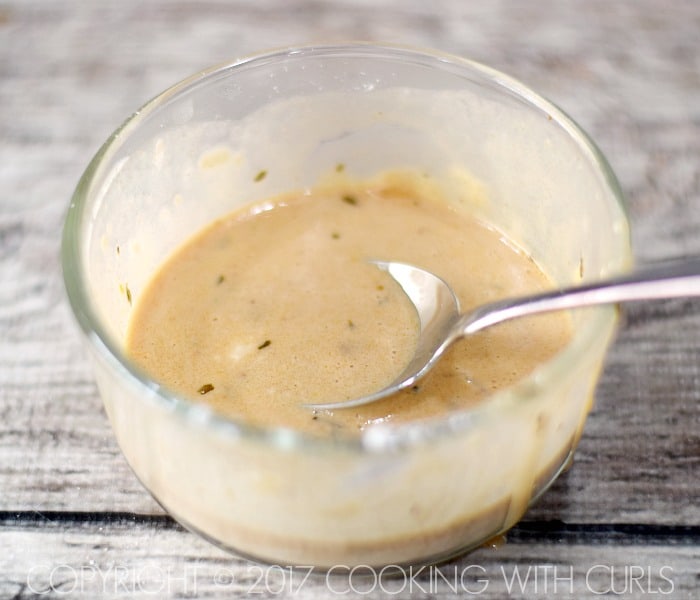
[276,306]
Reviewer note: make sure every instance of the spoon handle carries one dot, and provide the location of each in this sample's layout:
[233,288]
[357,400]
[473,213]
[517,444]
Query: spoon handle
[670,279]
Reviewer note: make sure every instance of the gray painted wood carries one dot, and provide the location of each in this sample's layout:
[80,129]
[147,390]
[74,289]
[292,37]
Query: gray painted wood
[71,70]
[142,560]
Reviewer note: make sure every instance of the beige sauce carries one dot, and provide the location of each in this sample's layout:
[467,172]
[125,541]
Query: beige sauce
[276,306]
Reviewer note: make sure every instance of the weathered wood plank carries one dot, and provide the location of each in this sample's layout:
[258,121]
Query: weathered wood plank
[157,559]
[630,78]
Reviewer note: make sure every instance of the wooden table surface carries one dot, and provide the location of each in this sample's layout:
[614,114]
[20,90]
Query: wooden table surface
[74,522]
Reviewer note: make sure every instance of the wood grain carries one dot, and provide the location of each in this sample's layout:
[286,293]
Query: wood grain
[71,70]
[154,558]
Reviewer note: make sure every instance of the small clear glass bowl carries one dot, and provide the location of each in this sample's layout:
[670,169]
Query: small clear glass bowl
[406,494]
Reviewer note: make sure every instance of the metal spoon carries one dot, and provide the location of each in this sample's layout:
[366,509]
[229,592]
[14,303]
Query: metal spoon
[441,322]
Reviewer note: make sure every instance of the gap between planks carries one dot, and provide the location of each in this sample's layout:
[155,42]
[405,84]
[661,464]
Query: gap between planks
[525,532]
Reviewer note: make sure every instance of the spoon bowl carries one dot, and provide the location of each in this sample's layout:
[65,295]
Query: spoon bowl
[442,323]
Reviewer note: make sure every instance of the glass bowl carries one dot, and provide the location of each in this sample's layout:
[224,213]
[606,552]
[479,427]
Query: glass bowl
[406,494]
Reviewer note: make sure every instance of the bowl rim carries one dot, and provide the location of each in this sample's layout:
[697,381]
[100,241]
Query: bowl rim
[378,438]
